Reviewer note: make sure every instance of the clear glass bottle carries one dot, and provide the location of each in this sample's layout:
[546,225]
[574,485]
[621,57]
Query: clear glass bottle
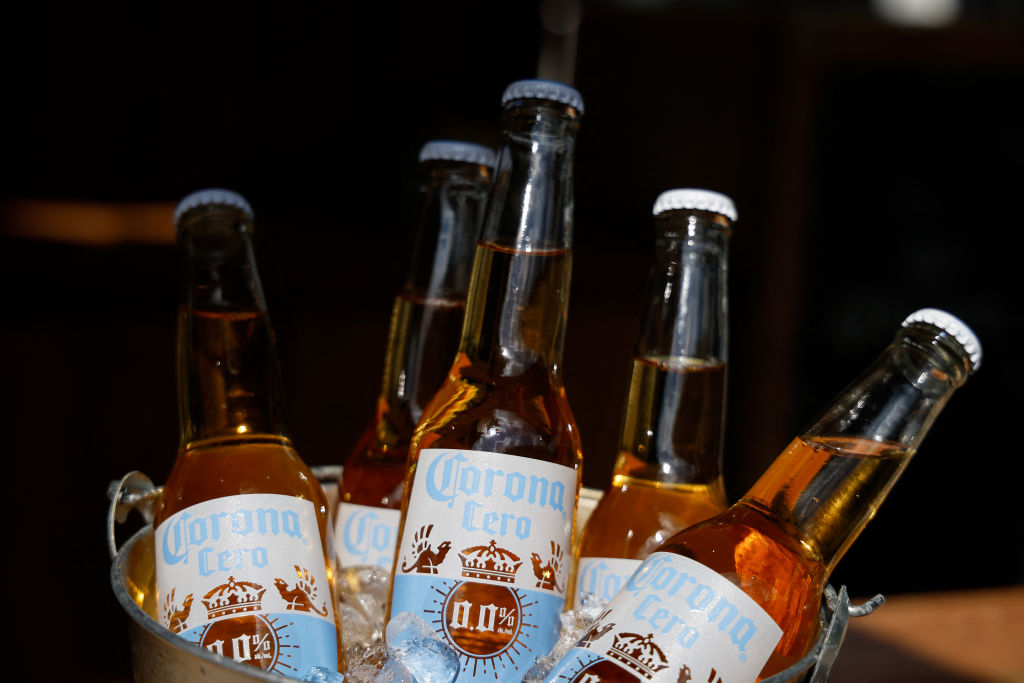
[668,474]
[426,320]
[244,566]
[494,467]
[736,598]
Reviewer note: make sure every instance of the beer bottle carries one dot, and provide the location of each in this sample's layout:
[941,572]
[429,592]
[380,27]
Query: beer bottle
[243,564]
[426,320]
[495,461]
[737,597]
[668,474]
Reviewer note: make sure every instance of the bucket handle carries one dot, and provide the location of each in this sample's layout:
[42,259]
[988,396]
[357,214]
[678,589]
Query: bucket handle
[135,491]
[842,610]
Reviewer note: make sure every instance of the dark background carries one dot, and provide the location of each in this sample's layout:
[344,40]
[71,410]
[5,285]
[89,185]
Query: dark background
[876,168]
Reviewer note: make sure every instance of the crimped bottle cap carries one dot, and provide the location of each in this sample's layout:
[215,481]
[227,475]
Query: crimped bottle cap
[212,196]
[456,150]
[952,326]
[690,198]
[543,90]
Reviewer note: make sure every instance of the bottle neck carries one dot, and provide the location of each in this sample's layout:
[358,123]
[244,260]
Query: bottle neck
[228,371]
[687,302]
[830,481]
[452,196]
[426,318]
[519,293]
[674,422]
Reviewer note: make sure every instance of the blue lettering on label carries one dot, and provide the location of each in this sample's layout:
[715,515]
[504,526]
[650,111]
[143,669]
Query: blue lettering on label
[657,580]
[366,533]
[597,579]
[184,533]
[448,478]
[494,523]
[230,561]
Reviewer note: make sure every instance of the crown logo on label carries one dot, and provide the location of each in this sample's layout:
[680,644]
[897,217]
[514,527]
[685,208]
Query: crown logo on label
[234,597]
[639,653]
[489,562]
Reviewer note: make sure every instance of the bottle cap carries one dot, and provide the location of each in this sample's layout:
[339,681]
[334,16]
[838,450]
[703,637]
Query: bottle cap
[455,150]
[689,198]
[212,196]
[952,326]
[543,90]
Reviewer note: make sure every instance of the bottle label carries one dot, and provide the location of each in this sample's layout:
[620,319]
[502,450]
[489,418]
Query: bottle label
[365,535]
[674,620]
[484,556]
[601,578]
[244,576]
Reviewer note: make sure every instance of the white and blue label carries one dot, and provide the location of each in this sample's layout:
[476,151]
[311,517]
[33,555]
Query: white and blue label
[601,578]
[365,535]
[484,557]
[245,577]
[674,620]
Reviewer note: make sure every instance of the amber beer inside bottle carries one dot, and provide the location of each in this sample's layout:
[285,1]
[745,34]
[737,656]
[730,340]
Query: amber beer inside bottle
[500,393]
[668,474]
[494,464]
[738,595]
[375,471]
[782,567]
[639,491]
[426,323]
[234,447]
[233,436]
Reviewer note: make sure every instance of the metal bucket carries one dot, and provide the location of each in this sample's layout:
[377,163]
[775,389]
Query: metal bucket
[159,656]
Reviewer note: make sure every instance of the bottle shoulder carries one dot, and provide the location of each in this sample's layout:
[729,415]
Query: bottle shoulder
[374,472]
[741,525]
[526,414]
[753,551]
[216,468]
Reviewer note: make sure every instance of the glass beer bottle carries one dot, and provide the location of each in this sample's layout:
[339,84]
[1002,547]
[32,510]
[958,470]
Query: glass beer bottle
[495,461]
[736,597]
[668,474]
[426,320]
[243,563]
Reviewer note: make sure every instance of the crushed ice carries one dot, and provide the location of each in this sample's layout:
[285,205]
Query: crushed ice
[409,650]
[575,624]
[321,674]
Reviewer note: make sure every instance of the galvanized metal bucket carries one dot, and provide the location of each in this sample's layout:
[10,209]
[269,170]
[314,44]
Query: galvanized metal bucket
[159,656]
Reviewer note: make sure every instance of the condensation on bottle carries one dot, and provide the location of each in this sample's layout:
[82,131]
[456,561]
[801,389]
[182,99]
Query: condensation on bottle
[668,474]
[426,321]
[494,467]
[737,597]
[242,537]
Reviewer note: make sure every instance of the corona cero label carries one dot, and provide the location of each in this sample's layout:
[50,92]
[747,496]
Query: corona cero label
[484,556]
[244,577]
[365,535]
[674,621]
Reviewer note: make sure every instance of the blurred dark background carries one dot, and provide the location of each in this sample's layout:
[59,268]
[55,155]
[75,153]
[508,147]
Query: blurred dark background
[875,156]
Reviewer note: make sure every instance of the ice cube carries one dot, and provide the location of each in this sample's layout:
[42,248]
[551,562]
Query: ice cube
[574,625]
[362,603]
[322,674]
[427,656]
[592,605]
[390,671]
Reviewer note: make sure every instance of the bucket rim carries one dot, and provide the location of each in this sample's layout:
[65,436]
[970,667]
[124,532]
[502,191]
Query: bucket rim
[140,618]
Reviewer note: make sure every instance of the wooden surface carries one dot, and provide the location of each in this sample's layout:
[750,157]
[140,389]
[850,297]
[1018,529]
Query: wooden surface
[958,637]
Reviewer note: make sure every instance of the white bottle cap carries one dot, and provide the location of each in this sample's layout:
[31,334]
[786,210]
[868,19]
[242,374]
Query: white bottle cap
[702,200]
[455,150]
[210,197]
[952,326]
[543,90]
